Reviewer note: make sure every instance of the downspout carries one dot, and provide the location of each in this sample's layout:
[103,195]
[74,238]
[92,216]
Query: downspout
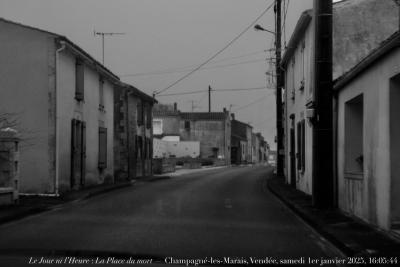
[56,182]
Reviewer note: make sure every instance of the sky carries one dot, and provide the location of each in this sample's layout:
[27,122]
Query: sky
[164,40]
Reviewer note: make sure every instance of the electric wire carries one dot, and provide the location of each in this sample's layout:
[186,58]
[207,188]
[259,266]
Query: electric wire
[206,68]
[191,66]
[218,52]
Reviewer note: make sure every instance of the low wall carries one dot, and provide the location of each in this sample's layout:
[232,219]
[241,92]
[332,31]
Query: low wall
[161,166]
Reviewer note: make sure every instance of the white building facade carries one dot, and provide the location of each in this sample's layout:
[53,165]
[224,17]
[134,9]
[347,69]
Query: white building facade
[63,99]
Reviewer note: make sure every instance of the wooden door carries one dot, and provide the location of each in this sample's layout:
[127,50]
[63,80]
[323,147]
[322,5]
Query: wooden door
[78,153]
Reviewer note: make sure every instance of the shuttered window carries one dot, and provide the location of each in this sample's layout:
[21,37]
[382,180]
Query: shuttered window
[148,116]
[140,114]
[301,146]
[79,80]
[298,155]
[102,148]
[139,147]
[101,93]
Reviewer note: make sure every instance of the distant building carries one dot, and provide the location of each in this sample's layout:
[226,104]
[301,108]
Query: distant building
[210,129]
[63,101]
[133,133]
[239,141]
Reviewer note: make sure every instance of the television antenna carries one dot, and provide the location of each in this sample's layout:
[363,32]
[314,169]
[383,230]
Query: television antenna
[102,34]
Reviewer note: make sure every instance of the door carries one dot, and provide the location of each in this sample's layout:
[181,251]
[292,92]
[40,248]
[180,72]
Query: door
[292,158]
[78,153]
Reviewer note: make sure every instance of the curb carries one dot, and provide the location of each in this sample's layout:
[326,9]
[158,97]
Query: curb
[24,214]
[37,210]
[316,226]
[105,190]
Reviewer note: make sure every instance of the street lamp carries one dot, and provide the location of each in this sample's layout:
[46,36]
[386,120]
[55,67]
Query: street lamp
[257,27]
[279,85]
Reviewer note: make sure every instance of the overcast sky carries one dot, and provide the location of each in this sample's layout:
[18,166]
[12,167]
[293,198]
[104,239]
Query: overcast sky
[170,35]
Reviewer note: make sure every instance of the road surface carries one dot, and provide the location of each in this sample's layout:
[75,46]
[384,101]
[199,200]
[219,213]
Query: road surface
[206,215]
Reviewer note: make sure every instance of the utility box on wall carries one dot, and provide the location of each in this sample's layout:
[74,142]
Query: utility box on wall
[9,166]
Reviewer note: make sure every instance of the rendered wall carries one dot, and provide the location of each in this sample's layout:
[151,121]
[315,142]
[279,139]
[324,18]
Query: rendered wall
[27,90]
[88,111]
[369,197]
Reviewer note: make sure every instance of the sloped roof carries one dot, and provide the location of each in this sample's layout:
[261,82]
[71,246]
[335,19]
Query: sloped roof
[378,53]
[165,113]
[298,33]
[72,45]
[137,92]
[203,115]
[242,123]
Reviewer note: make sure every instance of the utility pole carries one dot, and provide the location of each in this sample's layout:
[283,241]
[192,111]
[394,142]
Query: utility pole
[323,179]
[102,39]
[209,98]
[279,128]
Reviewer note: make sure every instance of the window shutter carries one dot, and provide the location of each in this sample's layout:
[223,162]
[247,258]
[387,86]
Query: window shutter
[101,93]
[73,150]
[298,154]
[140,114]
[79,80]
[83,156]
[149,116]
[102,147]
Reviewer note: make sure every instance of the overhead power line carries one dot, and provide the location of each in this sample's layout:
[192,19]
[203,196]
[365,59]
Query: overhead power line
[187,68]
[218,52]
[250,104]
[217,90]
[206,68]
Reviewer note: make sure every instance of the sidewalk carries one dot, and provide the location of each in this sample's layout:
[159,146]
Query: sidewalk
[180,172]
[30,205]
[352,237]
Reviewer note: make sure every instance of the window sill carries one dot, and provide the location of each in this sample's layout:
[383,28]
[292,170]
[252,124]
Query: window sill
[353,175]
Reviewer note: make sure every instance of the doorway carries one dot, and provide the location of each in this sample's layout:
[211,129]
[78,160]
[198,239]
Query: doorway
[394,127]
[78,154]
[292,153]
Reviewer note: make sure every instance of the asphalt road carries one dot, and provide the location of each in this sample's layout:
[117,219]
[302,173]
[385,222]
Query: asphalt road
[217,213]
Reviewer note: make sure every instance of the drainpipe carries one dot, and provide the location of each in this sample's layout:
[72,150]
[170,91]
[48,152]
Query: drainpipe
[56,182]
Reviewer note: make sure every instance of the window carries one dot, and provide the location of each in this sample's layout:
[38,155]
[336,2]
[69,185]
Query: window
[354,116]
[301,147]
[303,46]
[101,93]
[139,147]
[140,114]
[102,147]
[79,80]
[187,125]
[148,116]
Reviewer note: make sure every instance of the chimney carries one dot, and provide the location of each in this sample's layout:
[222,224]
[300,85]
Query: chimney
[233,116]
[175,106]
[224,110]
